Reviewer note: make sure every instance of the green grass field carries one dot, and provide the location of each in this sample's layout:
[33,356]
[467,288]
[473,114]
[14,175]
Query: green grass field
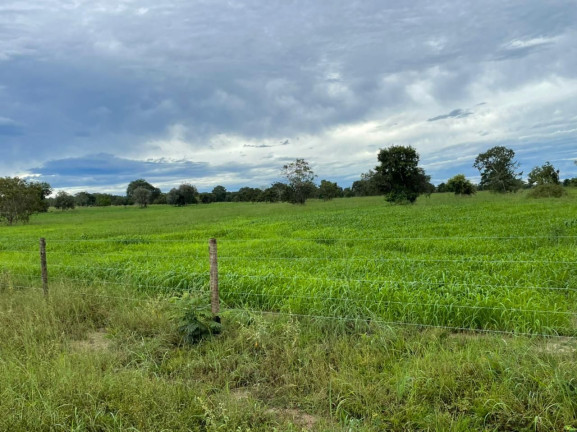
[369,300]
[488,262]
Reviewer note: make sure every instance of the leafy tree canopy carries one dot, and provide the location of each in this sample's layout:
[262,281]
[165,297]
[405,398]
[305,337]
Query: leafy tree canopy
[64,201]
[498,170]
[401,178]
[544,174]
[329,190]
[219,193]
[300,177]
[142,196]
[183,195]
[141,183]
[460,185]
[19,199]
[369,184]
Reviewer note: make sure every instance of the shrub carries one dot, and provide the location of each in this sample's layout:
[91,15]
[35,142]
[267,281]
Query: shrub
[548,190]
[194,318]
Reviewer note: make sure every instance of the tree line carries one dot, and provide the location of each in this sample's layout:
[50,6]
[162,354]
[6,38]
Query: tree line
[397,177]
[400,179]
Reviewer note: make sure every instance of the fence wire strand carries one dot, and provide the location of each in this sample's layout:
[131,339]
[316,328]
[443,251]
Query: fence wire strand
[325,317]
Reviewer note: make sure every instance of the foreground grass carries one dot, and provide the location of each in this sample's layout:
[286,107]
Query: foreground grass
[103,362]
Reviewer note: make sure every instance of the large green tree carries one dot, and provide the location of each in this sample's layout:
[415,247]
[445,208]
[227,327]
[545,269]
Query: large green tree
[183,195]
[141,183]
[498,170]
[19,199]
[401,179]
[219,193]
[142,196]
[300,177]
[544,174]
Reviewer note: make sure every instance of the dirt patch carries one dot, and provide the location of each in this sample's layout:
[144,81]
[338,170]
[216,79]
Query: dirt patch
[95,341]
[297,417]
[559,345]
[240,393]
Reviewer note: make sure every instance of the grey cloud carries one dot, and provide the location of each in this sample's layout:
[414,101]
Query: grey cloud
[112,75]
[106,165]
[456,113]
[100,170]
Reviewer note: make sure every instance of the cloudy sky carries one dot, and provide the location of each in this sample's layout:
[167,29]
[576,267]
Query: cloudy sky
[96,93]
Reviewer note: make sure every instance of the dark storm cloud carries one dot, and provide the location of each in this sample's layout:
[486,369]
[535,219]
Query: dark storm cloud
[110,165]
[106,169]
[110,76]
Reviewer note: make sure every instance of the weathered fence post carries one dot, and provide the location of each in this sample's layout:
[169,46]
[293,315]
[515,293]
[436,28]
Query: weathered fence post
[43,266]
[214,296]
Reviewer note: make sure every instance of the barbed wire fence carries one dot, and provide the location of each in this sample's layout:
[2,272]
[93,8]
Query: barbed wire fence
[254,297]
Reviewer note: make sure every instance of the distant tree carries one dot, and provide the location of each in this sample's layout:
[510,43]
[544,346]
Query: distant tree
[142,196]
[441,187]
[102,200]
[64,201]
[402,179]
[300,179]
[135,184]
[174,198]
[277,192]
[269,195]
[498,170]
[161,199]
[84,199]
[572,182]
[119,200]
[20,199]
[459,185]
[183,195]
[248,194]
[329,190]
[368,185]
[348,192]
[45,191]
[206,197]
[219,193]
[544,174]
[544,182]
[189,193]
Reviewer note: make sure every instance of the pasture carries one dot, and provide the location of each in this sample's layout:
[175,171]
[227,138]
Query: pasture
[341,315]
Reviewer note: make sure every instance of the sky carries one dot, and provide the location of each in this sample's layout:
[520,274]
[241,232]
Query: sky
[97,93]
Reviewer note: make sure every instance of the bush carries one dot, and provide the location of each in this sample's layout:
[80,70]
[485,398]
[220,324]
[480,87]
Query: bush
[194,318]
[401,197]
[547,191]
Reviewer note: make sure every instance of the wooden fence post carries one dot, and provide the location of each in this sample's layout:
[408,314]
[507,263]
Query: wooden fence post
[43,266]
[214,296]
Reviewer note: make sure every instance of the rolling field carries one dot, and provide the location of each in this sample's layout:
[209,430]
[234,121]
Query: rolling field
[488,262]
[365,306]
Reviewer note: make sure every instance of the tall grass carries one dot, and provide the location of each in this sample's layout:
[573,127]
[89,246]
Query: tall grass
[490,262]
[107,362]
